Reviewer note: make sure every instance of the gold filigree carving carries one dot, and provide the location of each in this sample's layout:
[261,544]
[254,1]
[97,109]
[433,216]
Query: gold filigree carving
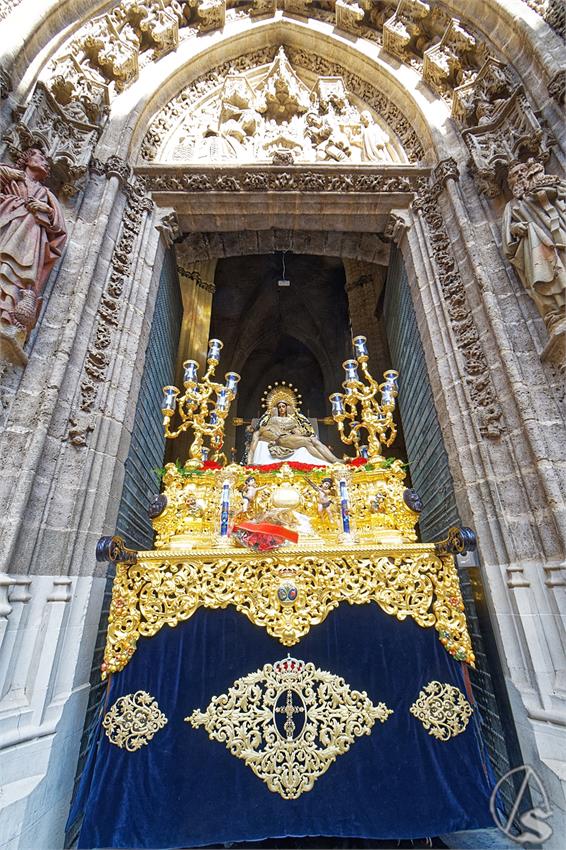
[133,720]
[166,588]
[379,512]
[443,710]
[288,722]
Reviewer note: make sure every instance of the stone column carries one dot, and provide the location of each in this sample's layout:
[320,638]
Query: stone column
[364,285]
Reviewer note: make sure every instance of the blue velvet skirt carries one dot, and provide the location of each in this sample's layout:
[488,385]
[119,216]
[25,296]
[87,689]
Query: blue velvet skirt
[185,790]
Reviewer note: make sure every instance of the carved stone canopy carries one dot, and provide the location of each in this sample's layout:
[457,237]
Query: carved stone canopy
[274,110]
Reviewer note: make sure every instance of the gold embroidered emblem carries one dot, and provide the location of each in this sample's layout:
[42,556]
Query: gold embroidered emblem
[443,710]
[288,722]
[133,720]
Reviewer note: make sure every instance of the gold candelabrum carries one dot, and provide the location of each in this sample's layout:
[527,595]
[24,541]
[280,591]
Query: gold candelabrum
[203,407]
[358,408]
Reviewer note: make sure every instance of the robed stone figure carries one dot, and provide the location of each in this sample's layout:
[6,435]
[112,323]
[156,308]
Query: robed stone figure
[32,237]
[534,239]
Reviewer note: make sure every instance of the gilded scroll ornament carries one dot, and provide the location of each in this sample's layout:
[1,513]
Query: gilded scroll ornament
[166,588]
[133,720]
[443,710]
[288,722]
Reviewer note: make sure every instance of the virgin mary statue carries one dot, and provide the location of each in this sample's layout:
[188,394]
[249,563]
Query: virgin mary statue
[282,433]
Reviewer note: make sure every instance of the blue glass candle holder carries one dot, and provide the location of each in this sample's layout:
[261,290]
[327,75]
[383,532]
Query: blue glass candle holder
[337,403]
[232,379]
[360,347]
[351,369]
[214,348]
[169,401]
[190,373]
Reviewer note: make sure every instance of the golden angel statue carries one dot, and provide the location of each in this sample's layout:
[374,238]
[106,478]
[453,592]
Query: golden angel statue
[283,433]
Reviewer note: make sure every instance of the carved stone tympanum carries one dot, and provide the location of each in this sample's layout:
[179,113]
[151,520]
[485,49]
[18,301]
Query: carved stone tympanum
[280,113]
[32,236]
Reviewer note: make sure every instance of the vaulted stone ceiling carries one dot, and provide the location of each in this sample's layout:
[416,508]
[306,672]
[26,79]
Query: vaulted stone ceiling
[267,329]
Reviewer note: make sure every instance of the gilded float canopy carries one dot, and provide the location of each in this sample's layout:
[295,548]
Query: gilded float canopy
[293,588]
[291,533]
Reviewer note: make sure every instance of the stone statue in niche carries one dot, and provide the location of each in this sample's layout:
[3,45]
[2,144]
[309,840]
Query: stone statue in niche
[534,239]
[32,237]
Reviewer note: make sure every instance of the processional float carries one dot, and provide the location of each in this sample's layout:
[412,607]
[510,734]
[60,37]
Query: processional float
[288,660]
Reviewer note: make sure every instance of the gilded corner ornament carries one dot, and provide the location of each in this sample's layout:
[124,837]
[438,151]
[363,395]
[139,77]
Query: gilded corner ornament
[288,722]
[133,721]
[442,709]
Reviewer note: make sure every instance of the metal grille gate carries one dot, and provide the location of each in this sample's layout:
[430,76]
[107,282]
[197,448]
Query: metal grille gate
[430,474]
[146,452]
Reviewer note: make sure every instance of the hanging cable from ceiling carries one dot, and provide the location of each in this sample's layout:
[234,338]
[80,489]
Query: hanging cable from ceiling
[283,281]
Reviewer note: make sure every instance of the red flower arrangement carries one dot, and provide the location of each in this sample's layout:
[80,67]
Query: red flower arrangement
[303,467]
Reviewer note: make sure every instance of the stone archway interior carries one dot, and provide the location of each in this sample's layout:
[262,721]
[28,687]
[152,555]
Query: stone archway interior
[298,333]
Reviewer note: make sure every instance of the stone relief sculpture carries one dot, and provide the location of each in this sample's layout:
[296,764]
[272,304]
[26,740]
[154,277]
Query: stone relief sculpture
[262,117]
[375,143]
[534,239]
[32,237]
[106,55]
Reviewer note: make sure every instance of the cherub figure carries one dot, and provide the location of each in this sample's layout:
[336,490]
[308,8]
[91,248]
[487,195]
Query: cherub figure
[249,493]
[195,507]
[377,503]
[325,497]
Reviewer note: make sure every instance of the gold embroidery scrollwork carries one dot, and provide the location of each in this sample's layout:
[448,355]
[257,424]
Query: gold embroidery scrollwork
[133,720]
[285,594]
[320,717]
[442,709]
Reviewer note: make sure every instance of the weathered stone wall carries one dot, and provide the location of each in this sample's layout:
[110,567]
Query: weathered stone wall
[67,417]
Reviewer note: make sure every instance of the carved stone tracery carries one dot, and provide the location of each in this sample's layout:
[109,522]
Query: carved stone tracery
[553,12]
[482,391]
[508,131]
[106,55]
[97,357]
[278,179]
[68,142]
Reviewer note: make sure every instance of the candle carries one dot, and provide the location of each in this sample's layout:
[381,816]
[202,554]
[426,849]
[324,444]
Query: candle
[232,379]
[337,404]
[169,401]
[214,347]
[351,369]
[391,380]
[224,509]
[360,347]
[387,395]
[222,399]
[190,373]
[344,507]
